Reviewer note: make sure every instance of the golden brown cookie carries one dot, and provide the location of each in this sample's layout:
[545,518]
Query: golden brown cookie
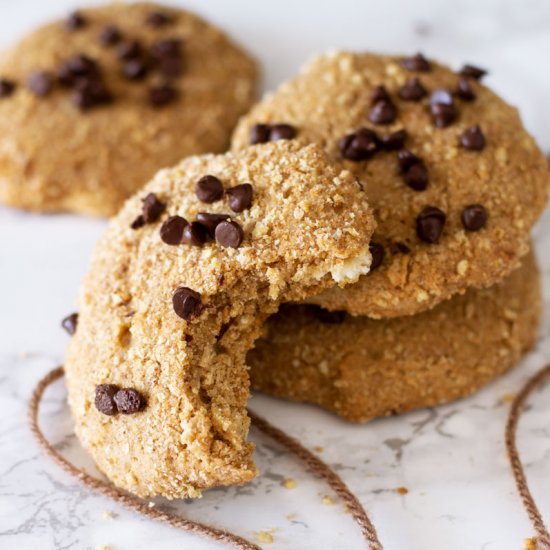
[91,107]
[177,292]
[363,368]
[455,181]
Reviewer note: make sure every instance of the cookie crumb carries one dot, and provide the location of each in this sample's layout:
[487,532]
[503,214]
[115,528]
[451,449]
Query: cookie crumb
[108,514]
[507,398]
[265,537]
[103,547]
[402,490]
[327,500]
[318,449]
[530,544]
[289,483]
[291,517]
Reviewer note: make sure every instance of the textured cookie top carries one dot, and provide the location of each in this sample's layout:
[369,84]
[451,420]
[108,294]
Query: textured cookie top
[91,107]
[174,321]
[454,196]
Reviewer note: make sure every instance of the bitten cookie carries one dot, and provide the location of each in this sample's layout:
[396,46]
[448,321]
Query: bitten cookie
[362,368]
[177,292]
[92,106]
[455,181]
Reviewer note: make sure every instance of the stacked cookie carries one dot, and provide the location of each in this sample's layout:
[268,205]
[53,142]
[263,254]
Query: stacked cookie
[456,185]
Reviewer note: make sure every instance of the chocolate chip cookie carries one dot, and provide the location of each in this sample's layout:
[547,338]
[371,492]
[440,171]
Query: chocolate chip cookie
[454,179]
[92,106]
[177,292]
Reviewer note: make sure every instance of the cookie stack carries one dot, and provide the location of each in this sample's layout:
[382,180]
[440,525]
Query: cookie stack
[456,184]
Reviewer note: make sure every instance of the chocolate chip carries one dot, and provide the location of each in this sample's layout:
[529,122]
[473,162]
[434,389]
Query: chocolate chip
[209,189]
[158,19]
[75,21]
[135,69]
[152,208]
[240,197]
[397,247]
[229,234]
[129,401]
[7,87]
[473,139]
[195,234]
[383,112]
[162,95]
[416,177]
[474,217]
[412,90]
[105,399]
[416,63]
[167,57]
[90,93]
[377,253]
[360,145]
[129,50]
[393,141]
[464,89]
[77,68]
[171,231]
[281,131]
[187,303]
[211,221]
[110,35]
[138,222]
[70,322]
[429,224]
[406,159]
[40,83]
[379,94]
[328,317]
[470,71]
[259,133]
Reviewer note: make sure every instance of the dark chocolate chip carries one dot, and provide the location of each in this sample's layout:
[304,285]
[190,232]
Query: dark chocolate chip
[240,197]
[90,93]
[187,303]
[138,222]
[379,94]
[77,68]
[377,253]
[40,83]
[259,133]
[110,35]
[473,139]
[229,234]
[394,141]
[75,21]
[7,87]
[443,115]
[416,63]
[129,50]
[162,95]
[195,234]
[383,112]
[474,217]
[412,90]
[281,131]
[134,69]
[429,224]
[397,247]
[168,47]
[129,401]
[158,19]
[105,399]
[171,231]
[464,89]
[470,71]
[209,189]
[416,177]
[70,322]
[328,317]
[170,67]
[406,159]
[211,221]
[360,145]
[152,208]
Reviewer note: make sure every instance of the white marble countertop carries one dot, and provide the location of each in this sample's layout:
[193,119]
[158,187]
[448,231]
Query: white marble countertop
[461,494]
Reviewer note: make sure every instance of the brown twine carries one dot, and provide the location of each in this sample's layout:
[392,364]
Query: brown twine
[543,537]
[312,462]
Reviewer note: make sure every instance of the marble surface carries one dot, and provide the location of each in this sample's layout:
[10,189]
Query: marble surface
[451,459]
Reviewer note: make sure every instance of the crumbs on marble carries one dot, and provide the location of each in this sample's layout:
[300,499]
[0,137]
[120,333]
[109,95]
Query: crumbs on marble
[103,547]
[327,500]
[507,398]
[291,517]
[318,449]
[107,514]
[265,536]
[289,483]
[402,490]
[530,544]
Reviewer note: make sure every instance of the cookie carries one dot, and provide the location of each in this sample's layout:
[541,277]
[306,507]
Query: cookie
[177,292]
[92,106]
[455,181]
[363,368]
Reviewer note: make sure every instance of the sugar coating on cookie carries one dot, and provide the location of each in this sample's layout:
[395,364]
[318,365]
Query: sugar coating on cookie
[93,105]
[363,368]
[170,308]
[455,181]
